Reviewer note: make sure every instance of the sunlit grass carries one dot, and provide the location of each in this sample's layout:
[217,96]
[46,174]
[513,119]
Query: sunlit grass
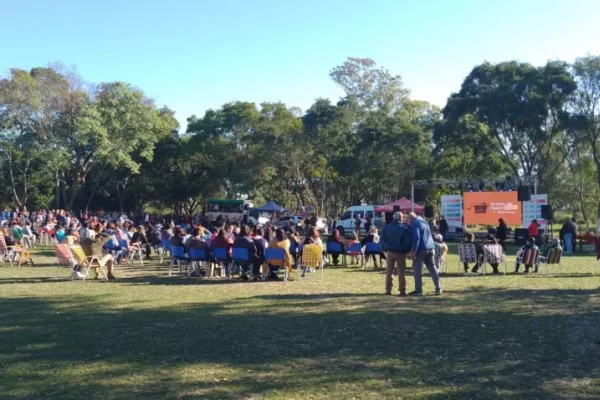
[150,336]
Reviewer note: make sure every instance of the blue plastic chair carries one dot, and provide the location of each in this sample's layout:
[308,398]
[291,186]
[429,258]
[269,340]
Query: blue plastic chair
[277,257]
[165,246]
[240,257]
[196,257]
[221,257]
[373,249]
[177,257]
[130,254]
[355,248]
[334,248]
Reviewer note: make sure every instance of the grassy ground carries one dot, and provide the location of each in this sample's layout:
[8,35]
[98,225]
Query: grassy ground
[150,336]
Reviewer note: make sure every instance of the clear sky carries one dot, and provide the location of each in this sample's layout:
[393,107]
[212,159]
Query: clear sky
[193,55]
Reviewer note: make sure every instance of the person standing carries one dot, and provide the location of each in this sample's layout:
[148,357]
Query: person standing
[443,227]
[357,224]
[575,232]
[396,243]
[534,229]
[501,233]
[422,252]
[368,223]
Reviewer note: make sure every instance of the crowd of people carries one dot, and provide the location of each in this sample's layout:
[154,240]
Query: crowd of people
[112,237]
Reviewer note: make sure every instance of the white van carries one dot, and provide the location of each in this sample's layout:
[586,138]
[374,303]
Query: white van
[346,223]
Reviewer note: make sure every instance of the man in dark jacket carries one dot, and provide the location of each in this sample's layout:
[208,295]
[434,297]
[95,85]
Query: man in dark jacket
[245,242]
[396,243]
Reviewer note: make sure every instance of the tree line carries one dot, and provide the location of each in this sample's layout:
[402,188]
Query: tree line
[65,143]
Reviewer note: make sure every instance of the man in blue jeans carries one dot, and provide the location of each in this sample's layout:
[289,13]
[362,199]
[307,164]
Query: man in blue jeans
[423,252]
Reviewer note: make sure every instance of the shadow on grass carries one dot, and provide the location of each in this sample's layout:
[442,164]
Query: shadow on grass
[289,344]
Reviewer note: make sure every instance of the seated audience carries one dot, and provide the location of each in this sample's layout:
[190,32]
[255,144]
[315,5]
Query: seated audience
[280,241]
[530,245]
[335,237]
[470,238]
[244,241]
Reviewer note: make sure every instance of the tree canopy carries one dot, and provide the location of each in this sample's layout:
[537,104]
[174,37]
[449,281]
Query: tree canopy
[65,143]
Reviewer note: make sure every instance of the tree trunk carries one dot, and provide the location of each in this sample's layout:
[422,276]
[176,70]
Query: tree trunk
[87,206]
[57,192]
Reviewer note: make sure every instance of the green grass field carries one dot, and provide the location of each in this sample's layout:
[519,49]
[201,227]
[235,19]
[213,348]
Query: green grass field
[149,336]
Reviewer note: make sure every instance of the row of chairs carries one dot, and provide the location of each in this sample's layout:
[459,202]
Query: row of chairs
[131,250]
[494,254]
[354,250]
[311,258]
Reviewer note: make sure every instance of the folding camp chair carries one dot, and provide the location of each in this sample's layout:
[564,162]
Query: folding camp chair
[88,262]
[221,261]
[177,258]
[28,241]
[65,258]
[440,259]
[494,254]
[467,253]
[8,252]
[529,257]
[311,260]
[354,250]
[333,248]
[276,257]
[552,258]
[197,257]
[133,249]
[372,249]
[12,252]
[241,259]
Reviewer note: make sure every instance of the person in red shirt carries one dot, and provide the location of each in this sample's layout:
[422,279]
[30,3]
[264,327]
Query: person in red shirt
[534,229]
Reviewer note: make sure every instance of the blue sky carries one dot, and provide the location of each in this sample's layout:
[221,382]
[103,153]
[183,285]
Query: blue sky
[196,55]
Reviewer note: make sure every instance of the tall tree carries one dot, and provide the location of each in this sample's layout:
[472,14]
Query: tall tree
[521,108]
[586,108]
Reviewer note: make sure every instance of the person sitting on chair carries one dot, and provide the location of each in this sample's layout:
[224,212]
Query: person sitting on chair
[335,237]
[470,238]
[280,241]
[530,245]
[94,247]
[490,239]
[141,238]
[353,254]
[261,247]
[372,237]
[244,241]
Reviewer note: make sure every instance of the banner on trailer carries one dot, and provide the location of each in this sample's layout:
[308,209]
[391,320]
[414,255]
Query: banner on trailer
[486,208]
[533,210]
[452,211]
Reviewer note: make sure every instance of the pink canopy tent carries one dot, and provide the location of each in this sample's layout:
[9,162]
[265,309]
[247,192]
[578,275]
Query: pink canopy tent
[405,206]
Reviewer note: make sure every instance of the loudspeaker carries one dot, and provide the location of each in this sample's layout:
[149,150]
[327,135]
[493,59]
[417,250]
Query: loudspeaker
[419,195]
[547,213]
[428,211]
[396,209]
[524,194]
[389,217]
[521,236]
